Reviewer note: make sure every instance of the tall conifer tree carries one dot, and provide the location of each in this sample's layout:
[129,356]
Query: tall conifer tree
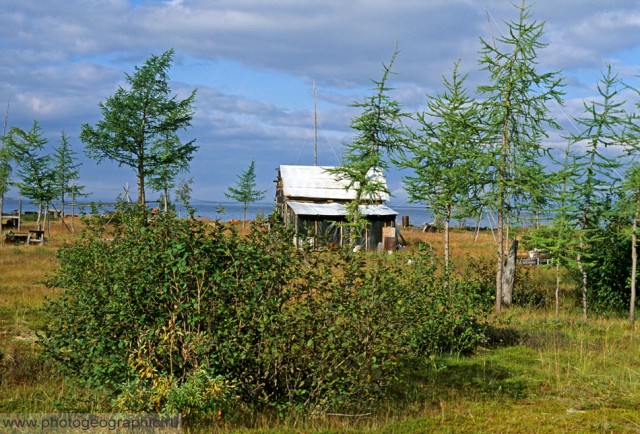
[245,190]
[516,113]
[631,206]
[631,194]
[378,135]
[601,127]
[66,170]
[35,171]
[444,156]
[5,164]
[137,121]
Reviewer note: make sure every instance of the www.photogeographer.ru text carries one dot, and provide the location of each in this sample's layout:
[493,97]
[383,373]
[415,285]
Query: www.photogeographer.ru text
[89,423]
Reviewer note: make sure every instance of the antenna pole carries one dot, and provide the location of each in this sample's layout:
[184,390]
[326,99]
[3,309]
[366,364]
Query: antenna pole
[6,118]
[315,126]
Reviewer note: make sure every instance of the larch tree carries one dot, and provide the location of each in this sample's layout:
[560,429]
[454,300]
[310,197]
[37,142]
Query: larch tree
[515,105]
[5,173]
[379,134]
[443,156]
[600,127]
[631,192]
[631,206]
[182,194]
[34,167]
[66,172]
[246,191]
[563,201]
[164,176]
[136,122]
[5,164]
[559,235]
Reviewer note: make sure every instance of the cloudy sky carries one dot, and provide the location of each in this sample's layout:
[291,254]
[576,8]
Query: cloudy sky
[254,63]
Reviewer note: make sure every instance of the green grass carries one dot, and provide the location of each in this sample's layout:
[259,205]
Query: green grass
[535,374]
[545,376]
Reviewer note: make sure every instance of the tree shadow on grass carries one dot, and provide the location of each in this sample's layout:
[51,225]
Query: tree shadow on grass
[496,337]
[496,372]
[469,378]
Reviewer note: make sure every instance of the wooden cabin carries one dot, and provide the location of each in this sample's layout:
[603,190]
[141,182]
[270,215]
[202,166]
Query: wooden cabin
[315,202]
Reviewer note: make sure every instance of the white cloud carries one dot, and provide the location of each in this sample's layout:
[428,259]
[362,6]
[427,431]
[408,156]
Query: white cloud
[251,58]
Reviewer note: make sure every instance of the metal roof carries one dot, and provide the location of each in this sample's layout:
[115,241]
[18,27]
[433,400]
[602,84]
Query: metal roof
[337,209]
[315,182]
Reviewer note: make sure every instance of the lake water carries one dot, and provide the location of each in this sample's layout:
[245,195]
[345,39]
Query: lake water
[417,215]
[226,211]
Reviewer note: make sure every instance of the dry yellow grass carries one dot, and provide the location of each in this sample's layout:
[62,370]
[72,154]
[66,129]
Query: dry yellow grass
[23,267]
[558,376]
[461,243]
[27,384]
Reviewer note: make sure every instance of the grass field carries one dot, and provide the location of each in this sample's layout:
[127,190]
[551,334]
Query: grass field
[535,374]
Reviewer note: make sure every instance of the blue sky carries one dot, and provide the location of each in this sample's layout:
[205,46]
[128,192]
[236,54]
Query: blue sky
[254,63]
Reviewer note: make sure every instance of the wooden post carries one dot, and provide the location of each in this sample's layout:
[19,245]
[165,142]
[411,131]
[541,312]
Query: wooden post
[366,236]
[73,203]
[47,221]
[509,274]
[316,237]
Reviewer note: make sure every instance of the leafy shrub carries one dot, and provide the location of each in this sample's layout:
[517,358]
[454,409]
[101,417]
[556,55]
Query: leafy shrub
[609,269]
[198,394]
[607,261]
[177,315]
[534,286]
[448,317]
[132,304]
[479,275]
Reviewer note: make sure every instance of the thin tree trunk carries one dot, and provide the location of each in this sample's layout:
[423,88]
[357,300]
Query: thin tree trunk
[500,263]
[142,199]
[501,211]
[73,203]
[38,222]
[62,188]
[583,272]
[244,215]
[447,221]
[475,238]
[506,229]
[47,221]
[557,288]
[634,266]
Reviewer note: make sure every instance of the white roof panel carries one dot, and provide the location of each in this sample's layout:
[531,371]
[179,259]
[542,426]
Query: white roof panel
[315,182]
[337,209]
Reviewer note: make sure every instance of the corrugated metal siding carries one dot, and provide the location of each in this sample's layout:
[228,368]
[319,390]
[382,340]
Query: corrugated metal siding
[337,209]
[314,182]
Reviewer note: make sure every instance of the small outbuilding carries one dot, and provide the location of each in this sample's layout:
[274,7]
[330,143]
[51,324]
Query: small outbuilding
[314,201]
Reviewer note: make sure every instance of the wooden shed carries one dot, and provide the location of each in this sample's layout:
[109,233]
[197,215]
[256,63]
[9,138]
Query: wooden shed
[315,202]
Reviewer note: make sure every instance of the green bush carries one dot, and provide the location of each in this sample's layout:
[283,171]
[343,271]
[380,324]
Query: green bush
[609,268]
[177,315]
[606,259]
[448,317]
[198,394]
